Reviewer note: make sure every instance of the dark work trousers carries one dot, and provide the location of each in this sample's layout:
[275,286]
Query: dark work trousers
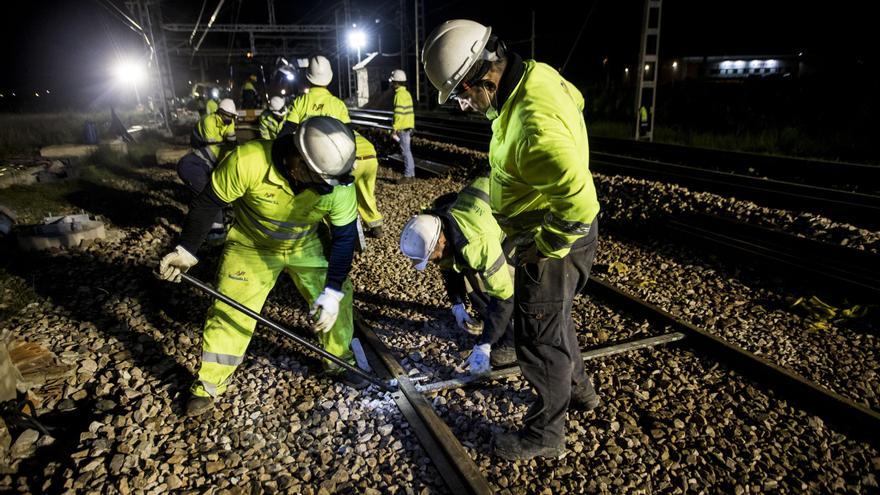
[196,174]
[546,343]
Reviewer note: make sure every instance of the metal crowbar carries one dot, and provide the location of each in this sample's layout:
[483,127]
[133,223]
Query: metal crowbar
[386,386]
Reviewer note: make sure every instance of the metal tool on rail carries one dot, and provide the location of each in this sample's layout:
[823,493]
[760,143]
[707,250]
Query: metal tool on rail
[388,386]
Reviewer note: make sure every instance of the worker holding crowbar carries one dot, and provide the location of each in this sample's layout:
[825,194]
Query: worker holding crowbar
[284,193]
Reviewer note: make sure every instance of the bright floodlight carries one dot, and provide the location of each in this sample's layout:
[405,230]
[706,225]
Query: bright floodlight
[129,72]
[357,39]
[289,76]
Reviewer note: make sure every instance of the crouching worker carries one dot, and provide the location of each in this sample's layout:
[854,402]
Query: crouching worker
[465,240]
[281,192]
[212,139]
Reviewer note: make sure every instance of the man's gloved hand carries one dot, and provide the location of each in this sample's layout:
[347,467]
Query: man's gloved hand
[462,318]
[325,310]
[395,136]
[174,263]
[478,361]
[528,254]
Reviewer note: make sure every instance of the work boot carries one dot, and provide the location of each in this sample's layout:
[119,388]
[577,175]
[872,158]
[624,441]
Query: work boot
[406,180]
[502,356]
[583,398]
[196,406]
[513,447]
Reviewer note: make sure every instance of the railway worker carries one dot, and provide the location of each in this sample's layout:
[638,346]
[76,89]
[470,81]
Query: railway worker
[542,194]
[319,101]
[211,105]
[293,203]
[404,122]
[249,96]
[365,168]
[466,241]
[272,119]
[213,137]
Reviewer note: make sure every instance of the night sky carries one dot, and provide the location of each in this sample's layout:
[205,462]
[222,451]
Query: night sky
[68,46]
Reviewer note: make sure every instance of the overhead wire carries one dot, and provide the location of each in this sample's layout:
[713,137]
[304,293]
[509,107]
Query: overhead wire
[581,32]
[198,21]
[210,23]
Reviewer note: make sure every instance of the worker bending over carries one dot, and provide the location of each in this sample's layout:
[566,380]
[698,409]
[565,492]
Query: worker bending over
[272,119]
[465,240]
[294,211]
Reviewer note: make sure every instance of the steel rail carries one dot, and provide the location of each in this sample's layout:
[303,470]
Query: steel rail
[460,473]
[857,419]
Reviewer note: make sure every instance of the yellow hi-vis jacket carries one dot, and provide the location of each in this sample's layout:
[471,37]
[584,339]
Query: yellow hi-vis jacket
[404,113]
[477,240]
[270,125]
[541,188]
[211,106]
[268,214]
[316,103]
[210,133]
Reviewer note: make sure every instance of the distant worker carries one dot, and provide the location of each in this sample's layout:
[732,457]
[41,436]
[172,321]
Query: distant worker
[318,100]
[272,119]
[643,120]
[307,230]
[542,194]
[466,241]
[249,96]
[404,123]
[212,139]
[211,104]
[364,173]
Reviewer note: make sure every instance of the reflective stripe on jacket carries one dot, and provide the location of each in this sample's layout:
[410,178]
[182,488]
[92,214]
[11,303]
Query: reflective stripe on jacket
[541,188]
[404,114]
[268,214]
[317,102]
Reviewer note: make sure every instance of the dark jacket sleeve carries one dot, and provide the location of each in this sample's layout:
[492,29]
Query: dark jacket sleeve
[341,254]
[202,212]
[455,288]
[496,319]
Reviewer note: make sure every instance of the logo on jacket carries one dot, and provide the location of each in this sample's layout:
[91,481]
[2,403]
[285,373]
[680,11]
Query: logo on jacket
[239,275]
[317,107]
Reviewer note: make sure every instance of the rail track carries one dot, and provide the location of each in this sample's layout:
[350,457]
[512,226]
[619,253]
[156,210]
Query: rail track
[780,182]
[462,475]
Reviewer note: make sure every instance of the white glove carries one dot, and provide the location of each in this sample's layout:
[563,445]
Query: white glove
[325,310]
[478,361]
[174,263]
[461,316]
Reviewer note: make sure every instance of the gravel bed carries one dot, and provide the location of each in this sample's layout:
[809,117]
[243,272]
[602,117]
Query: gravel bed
[669,422]
[132,345]
[749,313]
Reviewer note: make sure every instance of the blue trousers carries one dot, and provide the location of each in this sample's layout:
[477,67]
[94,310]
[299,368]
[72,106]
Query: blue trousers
[409,165]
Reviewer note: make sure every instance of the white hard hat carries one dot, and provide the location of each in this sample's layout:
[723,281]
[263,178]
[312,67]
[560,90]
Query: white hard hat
[419,239]
[450,52]
[320,73]
[276,105]
[227,106]
[328,148]
[398,75]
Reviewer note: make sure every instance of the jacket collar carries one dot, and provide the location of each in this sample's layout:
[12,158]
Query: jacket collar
[513,73]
